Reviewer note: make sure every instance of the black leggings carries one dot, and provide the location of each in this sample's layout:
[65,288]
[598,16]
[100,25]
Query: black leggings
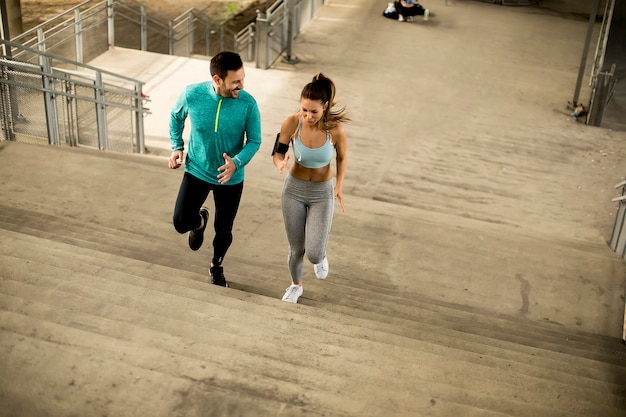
[416,10]
[192,195]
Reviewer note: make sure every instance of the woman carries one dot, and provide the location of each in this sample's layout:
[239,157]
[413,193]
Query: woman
[317,134]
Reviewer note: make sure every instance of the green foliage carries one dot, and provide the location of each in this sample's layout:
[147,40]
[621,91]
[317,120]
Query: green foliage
[232,8]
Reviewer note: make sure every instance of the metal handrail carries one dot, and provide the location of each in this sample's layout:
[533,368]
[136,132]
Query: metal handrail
[34,30]
[61,74]
[18,46]
[89,29]
[102,82]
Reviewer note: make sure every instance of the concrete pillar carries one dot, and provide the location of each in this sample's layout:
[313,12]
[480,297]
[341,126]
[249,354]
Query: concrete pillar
[13,18]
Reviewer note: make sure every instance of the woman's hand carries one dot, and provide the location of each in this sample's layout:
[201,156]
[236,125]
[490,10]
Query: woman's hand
[339,196]
[282,164]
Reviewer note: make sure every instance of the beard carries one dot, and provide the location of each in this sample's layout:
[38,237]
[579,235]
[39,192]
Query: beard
[224,92]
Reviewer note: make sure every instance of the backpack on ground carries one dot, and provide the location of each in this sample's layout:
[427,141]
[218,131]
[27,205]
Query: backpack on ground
[390,12]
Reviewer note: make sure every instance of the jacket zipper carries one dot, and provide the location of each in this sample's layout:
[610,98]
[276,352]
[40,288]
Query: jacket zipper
[217,115]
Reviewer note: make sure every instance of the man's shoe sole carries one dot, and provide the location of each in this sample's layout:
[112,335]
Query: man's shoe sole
[205,216]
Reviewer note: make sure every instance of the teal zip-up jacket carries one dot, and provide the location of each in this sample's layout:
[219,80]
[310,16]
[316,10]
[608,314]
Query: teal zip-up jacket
[218,125]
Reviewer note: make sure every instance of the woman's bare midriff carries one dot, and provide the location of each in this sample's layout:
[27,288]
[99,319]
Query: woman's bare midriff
[311,174]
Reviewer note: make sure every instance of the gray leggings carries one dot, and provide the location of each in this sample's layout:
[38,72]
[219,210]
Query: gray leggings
[308,214]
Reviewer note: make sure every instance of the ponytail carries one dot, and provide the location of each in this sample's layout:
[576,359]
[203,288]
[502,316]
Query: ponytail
[322,89]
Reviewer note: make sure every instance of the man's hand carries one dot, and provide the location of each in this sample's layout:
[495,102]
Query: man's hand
[227,170]
[176,159]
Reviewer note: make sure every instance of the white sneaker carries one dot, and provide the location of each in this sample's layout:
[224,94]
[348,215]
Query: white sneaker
[321,269]
[409,18]
[426,15]
[293,293]
[400,18]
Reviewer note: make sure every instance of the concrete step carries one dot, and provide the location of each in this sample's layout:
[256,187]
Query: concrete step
[346,295]
[76,280]
[175,336]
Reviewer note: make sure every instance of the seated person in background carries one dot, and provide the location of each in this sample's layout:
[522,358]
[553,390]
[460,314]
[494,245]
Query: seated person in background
[408,8]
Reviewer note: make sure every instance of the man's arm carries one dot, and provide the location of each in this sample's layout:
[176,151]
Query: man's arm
[253,138]
[178,114]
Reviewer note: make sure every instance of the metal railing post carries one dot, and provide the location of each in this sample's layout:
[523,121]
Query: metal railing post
[191,34]
[583,59]
[261,40]
[289,8]
[101,113]
[144,29]
[78,28]
[7,100]
[49,100]
[4,16]
[250,50]
[618,237]
[171,37]
[141,145]
[110,23]
[41,40]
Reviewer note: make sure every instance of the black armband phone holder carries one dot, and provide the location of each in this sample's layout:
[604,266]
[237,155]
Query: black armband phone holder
[280,147]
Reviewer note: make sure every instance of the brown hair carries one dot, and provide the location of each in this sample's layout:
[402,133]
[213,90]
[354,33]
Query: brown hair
[322,89]
[223,62]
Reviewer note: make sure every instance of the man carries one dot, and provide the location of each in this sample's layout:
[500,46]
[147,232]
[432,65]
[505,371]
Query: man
[225,134]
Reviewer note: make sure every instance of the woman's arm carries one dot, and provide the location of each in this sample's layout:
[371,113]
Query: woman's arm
[287,128]
[341,147]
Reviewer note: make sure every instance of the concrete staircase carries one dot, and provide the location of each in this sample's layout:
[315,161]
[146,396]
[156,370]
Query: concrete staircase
[470,274]
[102,315]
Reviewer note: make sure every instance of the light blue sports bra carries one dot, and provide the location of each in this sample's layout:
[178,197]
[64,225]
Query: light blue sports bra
[312,157]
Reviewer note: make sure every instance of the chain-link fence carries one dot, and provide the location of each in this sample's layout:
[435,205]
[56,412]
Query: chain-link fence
[79,35]
[90,107]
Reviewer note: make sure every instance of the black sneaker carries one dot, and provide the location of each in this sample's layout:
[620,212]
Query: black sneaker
[196,237]
[217,276]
